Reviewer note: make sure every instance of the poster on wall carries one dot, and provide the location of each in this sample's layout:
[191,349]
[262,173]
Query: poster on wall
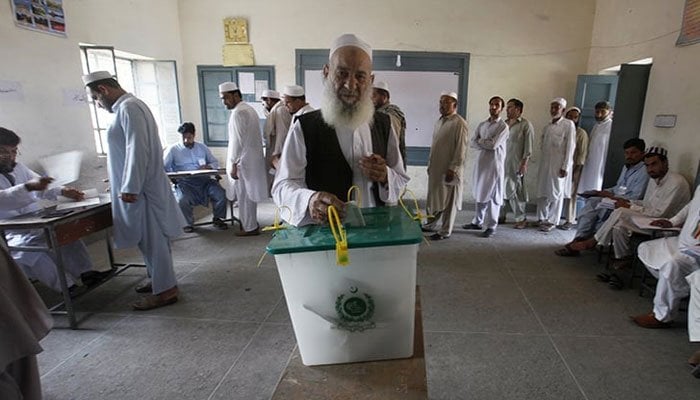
[40,15]
[690,29]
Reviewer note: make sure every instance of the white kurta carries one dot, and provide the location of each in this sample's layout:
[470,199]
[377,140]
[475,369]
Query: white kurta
[557,152]
[135,160]
[245,149]
[594,167]
[276,126]
[694,306]
[490,142]
[447,151]
[290,187]
[16,200]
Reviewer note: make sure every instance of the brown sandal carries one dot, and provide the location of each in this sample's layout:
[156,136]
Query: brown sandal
[567,251]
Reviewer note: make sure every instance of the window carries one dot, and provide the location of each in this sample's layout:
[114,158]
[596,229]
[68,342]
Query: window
[153,81]
[250,80]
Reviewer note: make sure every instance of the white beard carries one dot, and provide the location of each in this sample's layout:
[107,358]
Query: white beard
[338,114]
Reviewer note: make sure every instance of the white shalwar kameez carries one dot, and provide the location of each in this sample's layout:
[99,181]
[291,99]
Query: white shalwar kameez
[15,200]
[671,259]
[245,150]
[557,152]
[135,160]
[490,141]
[290,188]
[594,167]
[694,306]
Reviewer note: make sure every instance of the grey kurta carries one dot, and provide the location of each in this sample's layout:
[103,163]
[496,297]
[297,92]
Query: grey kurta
[518,148]
[136,166]
[447,152]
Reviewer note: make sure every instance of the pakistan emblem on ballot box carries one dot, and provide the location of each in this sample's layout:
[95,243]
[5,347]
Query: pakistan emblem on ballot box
[355,311]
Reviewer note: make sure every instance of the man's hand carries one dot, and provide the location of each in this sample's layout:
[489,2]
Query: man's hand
[129,197]
[522,170]
[73,193]
[205,166]
[319,203]
[622,203]
[661,223]
[276,162]
[449,175]
[605,193]
[374,168]
[38,184]
[563,173]
[234,171]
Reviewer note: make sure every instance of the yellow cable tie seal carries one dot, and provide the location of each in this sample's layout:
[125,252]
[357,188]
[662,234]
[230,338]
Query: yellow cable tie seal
[418,215]
[276,225]
[358,192]
[341,239]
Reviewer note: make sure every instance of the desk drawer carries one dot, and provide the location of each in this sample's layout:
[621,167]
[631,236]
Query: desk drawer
[74,230]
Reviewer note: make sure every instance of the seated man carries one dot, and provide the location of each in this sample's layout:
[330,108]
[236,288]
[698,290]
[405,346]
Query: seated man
[631,185]
[671,259]
[195,190]
[694,319]
[20,192]
[343,144]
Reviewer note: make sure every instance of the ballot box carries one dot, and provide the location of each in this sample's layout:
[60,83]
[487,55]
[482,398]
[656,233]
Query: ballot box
[359,312]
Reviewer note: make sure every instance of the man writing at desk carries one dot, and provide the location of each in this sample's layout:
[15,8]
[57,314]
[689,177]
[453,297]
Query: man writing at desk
[195,190]
[20,192]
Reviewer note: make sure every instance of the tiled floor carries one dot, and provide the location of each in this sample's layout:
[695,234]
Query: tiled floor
[504,318]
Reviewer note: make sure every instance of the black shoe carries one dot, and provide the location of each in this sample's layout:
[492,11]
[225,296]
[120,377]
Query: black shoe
[474,227]
[437,236]
[426,229]
[615,282]
[488,233]
[219,224]
[502,220]
[603,277]
[91,278]
[188,229]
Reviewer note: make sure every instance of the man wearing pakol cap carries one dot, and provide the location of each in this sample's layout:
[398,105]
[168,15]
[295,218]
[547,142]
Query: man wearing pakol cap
[556,159]
[343,144]
[671,259]
[144,209]
[518,152]
[191,191]
[445,164]
[667,192]
[594,167]
[580,153]
[276,125]
[295,103]
[381,97]
[245,162]
[489,140]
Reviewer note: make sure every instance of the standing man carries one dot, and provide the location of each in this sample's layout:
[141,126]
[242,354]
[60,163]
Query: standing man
[195,190]
[594,166]
[580,153]
[490,142]
[518,152]
[694,319]
[343,144]
[554,176]
[276,125]
[269,99]
[381,97]
[245,163]
[295,103]
[447,155]
[143,207]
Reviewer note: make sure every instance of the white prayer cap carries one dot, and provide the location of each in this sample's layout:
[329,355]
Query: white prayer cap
[449,94]
[96,76]
[657,150]
[559,100]
[574,109]
[227,87]
[270,94]
[382,85]
[349,39]
[293,91]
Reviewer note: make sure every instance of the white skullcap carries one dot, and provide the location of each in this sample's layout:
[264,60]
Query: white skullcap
[293,91]
[350,39]
[270,94]
[227,87]
[382,85]
[449,94]
[559,100]
[574,108]
[96,76]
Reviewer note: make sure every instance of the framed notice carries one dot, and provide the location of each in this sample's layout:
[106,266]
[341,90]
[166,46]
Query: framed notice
[40,15]
[690,29]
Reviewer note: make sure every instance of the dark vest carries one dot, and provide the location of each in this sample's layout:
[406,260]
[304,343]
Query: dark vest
[326,167]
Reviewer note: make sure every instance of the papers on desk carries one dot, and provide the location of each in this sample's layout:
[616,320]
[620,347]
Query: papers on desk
[91,199]
[196,172]
[606,203]
[64,168]
[645,223]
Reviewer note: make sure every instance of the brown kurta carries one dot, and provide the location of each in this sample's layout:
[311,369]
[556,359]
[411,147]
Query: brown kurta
[447,152]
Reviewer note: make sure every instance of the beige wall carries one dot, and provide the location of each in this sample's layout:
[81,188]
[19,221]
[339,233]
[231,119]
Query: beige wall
[628,30]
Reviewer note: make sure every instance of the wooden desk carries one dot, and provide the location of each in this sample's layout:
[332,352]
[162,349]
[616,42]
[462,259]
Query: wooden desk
[61,228]
[403,379]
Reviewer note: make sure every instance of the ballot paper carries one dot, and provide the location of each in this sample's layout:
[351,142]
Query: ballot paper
[606,203]
[91,199]
[644,222]
[64,168]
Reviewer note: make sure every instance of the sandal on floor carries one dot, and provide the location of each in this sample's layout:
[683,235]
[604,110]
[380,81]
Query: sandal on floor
[603,277]
[615,282]
[694,360]
[567,251]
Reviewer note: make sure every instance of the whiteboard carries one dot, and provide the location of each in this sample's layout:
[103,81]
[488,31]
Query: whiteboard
[416,92]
